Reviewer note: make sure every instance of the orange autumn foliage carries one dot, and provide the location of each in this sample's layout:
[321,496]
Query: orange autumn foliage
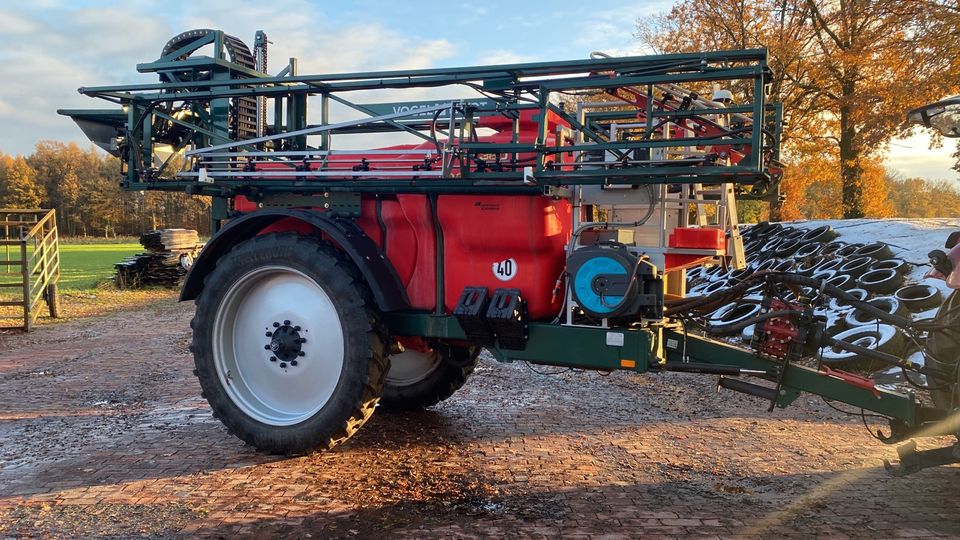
[845,72]
[813,189]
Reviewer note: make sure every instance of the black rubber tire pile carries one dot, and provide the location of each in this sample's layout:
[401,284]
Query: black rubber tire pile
[161,264]
[870,271]
[170,240]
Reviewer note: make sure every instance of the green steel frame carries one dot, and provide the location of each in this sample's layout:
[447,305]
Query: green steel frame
[206,85]
[659,347]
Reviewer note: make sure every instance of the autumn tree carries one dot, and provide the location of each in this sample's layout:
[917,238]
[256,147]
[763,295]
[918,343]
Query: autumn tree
[102,202]
[62,170]
[83,187]
[877,59]
[737,24]
[5,163]
[21,189]
[846,72]
[920,198]
[942,20]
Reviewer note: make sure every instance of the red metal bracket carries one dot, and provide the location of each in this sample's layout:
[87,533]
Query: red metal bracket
[852,379]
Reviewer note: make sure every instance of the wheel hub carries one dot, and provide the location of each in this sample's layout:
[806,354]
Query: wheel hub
[267,389]
[286,343]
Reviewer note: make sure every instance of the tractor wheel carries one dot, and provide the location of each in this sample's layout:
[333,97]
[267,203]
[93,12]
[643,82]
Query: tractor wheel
[286,344]
[944,346]
[418,379]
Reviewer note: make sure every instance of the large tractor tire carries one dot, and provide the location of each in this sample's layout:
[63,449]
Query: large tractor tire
[286,344]
[419,379]
[944,346]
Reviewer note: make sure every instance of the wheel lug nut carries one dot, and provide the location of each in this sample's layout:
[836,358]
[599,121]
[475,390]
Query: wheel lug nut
[302,340]
[286,323]
[276,325]
[269,334]
[266,347]
[283,364]
[273,358]
[293,362]
[297,328]
[301,353]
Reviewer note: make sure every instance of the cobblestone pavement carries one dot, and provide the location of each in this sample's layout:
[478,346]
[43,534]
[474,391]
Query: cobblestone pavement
[103,434]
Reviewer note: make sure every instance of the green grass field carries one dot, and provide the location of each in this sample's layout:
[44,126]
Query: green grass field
[84,265]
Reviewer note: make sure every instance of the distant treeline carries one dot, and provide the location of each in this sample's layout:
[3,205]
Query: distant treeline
[83,186]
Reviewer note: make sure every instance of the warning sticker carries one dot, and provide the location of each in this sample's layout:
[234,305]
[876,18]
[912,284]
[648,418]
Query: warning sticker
[505,270]
[615,339]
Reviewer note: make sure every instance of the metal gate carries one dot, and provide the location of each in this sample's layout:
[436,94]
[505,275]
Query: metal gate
[29,263]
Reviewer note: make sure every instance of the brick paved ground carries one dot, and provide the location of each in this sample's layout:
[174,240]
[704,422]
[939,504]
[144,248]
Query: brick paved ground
[102,433]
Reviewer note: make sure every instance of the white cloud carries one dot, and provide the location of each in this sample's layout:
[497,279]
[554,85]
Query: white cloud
[475,9]
[913,157]
[502,56]
[612,30]
[111,37]
[12,24]
[33,90]
[70,47]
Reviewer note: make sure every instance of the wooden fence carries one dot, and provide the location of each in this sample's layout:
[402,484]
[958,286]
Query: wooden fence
[29,263]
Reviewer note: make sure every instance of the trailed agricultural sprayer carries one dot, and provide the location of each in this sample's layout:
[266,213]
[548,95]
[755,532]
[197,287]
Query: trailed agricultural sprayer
[548,213]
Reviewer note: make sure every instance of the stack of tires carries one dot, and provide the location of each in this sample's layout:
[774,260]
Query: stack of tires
[869,271]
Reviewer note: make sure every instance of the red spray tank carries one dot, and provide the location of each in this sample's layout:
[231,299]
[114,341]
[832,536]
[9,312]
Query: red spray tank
[493,241]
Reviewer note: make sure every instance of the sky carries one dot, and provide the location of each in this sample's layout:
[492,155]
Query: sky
[52,47]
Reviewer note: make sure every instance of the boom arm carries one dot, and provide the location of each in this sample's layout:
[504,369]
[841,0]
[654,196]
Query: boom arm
[203,102]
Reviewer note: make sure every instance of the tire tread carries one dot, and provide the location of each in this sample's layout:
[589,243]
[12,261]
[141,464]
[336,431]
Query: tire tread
[440,385]
[348,279]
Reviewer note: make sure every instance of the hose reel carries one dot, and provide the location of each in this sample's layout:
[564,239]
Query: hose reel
[607,281]
[243,119]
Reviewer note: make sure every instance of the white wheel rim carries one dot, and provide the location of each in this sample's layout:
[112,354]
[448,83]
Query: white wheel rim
[278,393]
[411,366]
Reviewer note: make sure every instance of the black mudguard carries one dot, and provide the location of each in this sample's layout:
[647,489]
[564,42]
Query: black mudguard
[380,275]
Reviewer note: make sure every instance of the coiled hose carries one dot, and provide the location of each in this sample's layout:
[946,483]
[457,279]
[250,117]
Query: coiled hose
[703,304]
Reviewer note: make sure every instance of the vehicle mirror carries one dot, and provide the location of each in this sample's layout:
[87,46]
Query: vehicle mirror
[952,240]
[944,116]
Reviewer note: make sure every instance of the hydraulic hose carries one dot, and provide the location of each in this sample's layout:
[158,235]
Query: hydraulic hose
[871,353]
[702,303]
[733,328]
[889,359]
[723,295]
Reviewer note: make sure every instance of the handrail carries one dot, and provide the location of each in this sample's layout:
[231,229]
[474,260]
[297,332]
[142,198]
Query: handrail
[39,224]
